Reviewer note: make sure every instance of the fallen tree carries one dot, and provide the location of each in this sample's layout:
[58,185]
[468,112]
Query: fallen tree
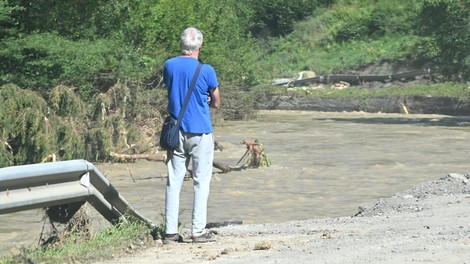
[254,157]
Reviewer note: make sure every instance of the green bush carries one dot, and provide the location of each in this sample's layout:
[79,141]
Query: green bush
[393,17]
[41,61]
[273,18]
[444,26]
[6,19]
[23,121]
[350,23]
[33,129]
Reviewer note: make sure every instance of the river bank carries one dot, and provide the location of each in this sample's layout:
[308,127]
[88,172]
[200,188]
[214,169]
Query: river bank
[324,166]
[416,104]
[424,224]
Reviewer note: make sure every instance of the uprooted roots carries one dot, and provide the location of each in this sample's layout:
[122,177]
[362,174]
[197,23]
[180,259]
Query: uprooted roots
[255,155]
[66,221]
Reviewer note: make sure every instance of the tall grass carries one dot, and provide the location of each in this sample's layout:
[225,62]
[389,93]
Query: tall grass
[335,57]
[108,243]
[344,36]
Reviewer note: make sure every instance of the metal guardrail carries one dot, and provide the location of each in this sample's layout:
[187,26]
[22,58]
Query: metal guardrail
[48,184]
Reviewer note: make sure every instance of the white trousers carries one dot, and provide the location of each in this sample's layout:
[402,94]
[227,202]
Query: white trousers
[200,149]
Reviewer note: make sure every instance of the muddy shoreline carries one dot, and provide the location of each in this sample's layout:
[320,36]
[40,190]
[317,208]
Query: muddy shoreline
[324,165]
[427,223]
[380,104]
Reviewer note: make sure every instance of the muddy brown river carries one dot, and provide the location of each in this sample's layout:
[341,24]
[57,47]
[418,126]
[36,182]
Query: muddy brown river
[323,165]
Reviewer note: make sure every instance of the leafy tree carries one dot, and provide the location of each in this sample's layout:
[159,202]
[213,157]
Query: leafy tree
[445,29]
[364,20]
[73,18]
[91,44]
[230,47]
[390,17]
[7,22]
[225,26]
[81,43]
[273,18]
[42,61]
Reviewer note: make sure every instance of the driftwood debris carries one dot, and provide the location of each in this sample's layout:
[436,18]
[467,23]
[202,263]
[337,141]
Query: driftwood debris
[56,156]
[154,157]
[133,157]
[356,79]
[66,221]
[52,157]
[221,166]
[254,156]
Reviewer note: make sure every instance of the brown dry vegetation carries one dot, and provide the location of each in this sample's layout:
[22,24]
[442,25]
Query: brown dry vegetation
[125,119]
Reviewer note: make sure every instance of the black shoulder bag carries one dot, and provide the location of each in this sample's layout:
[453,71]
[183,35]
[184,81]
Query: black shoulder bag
[169,137]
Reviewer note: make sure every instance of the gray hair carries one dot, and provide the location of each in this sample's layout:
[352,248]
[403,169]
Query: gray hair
[191,40]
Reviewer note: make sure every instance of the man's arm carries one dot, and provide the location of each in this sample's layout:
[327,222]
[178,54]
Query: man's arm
[214,99]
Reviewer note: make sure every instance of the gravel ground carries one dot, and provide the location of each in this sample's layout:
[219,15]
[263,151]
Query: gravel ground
[426,224]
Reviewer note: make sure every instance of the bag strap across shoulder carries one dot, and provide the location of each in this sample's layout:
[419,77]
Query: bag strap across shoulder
[188,95]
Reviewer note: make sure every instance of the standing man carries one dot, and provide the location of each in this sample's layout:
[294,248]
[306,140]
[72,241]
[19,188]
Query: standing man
[196,138]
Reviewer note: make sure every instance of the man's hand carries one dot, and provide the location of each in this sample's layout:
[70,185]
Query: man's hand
[214,100]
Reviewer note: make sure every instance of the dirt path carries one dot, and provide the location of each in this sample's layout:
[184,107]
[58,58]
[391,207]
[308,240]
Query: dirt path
[426,224]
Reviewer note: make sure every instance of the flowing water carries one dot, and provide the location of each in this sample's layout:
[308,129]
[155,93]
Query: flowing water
[323,165]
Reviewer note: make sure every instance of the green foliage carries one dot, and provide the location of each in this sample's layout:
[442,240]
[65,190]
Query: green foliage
[24,126]
[111,54]
[32,129]
[98,143]
[7,21]
[91,44]
[84,19]
[362,20]
[5,11]
[227,45]
[329,59]
[445,29]
[108,243]
[273,18]
[353,33]
[393,17]
[41,61]
[65,102]
[349,23]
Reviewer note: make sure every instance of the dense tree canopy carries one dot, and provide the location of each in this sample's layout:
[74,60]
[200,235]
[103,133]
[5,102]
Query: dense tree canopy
[91,44]
[445,28]
[56,54]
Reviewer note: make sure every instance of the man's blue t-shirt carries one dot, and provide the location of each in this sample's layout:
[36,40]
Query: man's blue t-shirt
[177,75]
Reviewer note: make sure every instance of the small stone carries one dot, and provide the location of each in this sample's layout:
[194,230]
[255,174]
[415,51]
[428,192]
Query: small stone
[263,245]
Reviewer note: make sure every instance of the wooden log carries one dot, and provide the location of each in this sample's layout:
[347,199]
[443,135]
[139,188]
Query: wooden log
[223,167]
[154,157]
[132,157]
